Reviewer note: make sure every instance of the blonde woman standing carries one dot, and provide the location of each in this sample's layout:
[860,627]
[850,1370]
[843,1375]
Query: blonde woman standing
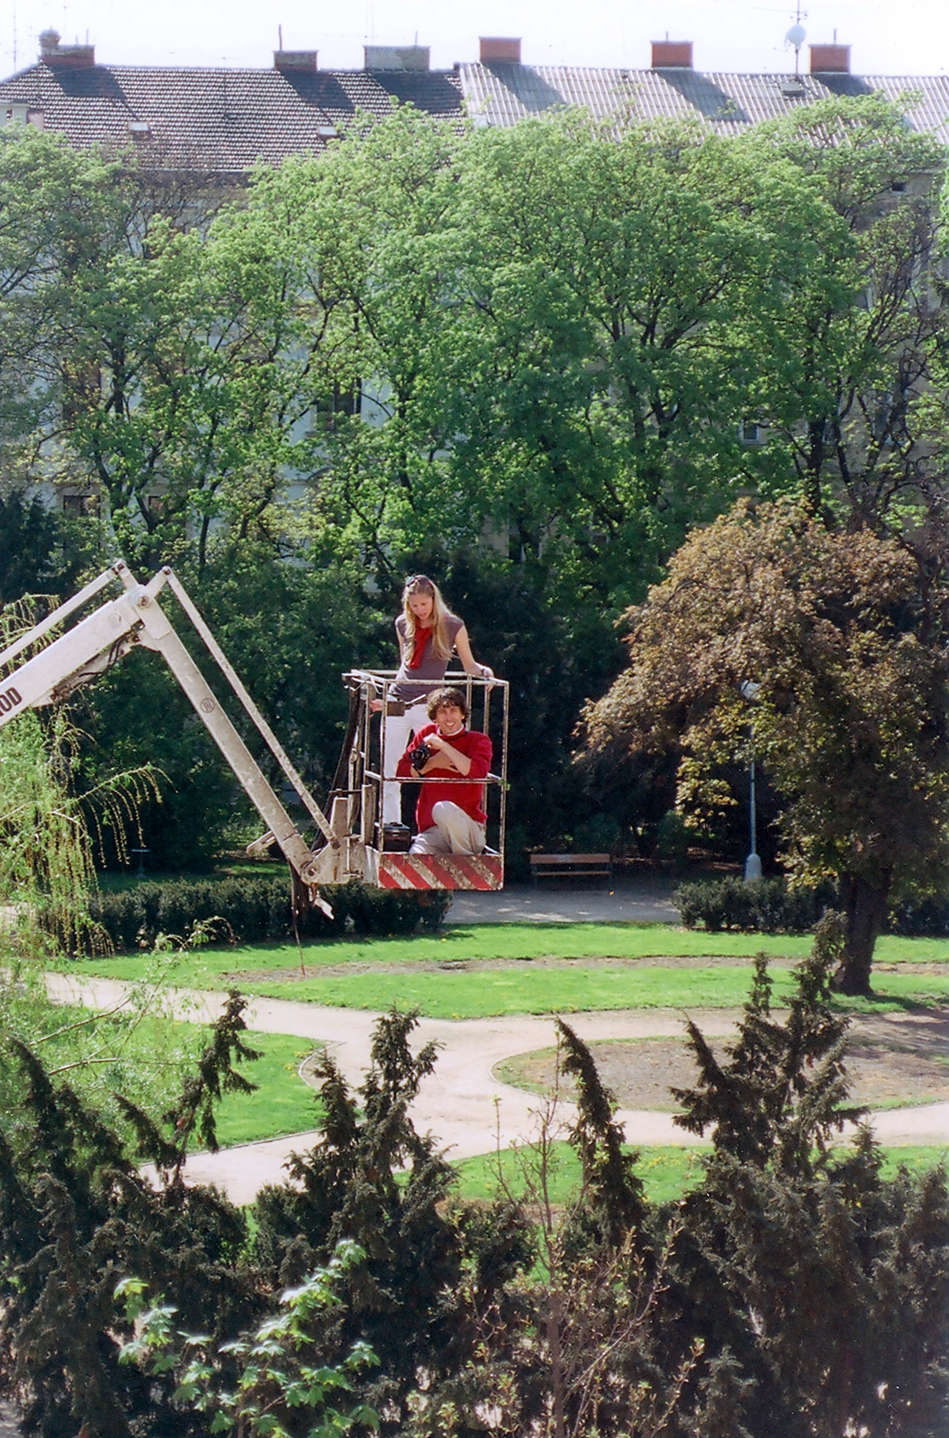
[428,633]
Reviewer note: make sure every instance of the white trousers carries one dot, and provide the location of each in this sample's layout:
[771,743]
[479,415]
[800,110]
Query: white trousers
[398,728]
[455,832]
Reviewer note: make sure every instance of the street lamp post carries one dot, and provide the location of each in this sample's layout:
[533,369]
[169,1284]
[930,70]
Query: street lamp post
[753,862]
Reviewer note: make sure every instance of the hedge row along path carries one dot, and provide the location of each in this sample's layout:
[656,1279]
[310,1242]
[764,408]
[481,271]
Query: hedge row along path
[462,1103]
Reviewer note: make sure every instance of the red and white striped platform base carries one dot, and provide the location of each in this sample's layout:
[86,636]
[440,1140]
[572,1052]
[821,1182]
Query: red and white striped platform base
[438,871]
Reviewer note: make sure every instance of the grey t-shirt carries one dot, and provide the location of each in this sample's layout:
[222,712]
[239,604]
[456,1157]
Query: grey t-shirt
[405,686]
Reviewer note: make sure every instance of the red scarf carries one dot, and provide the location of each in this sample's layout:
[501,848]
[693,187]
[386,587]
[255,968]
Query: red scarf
[421,638]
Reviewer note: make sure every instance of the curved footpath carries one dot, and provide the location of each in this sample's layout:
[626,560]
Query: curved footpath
[462,1103]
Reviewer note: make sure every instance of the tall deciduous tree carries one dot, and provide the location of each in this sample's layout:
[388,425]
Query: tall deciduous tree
[147,352]
[847,393]
[617,292]
[831,648]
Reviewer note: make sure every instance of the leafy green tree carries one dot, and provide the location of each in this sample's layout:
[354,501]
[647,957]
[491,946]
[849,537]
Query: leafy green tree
[144,356]
[54,202]
[530,350]
[831,646]
[368,235]
[32,559]
[852,388]
[618,287]
[556,337]
[280,1380]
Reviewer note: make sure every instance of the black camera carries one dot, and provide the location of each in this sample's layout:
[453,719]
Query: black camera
[420,755]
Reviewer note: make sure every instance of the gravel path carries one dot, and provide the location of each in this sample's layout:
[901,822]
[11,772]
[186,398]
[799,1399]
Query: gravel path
[462,1102]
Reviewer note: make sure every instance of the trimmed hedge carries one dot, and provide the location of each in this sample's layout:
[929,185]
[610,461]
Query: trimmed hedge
[920,919]
[764,906]
[245,910]
[768,906]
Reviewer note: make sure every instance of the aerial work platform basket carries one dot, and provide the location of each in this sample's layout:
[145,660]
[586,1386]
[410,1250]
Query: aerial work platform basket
[374,853]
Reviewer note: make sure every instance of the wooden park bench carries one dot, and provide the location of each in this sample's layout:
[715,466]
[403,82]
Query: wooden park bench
[571,866]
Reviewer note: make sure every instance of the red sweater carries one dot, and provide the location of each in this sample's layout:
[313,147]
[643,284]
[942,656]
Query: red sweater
[470,797]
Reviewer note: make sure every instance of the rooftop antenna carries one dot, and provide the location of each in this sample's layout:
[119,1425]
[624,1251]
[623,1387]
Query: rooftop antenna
[280,37]
[796,37]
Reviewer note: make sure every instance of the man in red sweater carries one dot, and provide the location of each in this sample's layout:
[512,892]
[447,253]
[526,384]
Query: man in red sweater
[450,816]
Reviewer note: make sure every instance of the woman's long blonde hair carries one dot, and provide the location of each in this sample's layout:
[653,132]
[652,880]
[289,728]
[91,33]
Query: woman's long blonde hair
[442,642]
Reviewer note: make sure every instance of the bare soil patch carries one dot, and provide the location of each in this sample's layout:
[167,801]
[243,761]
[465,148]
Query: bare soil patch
[893,1060]
[543,961]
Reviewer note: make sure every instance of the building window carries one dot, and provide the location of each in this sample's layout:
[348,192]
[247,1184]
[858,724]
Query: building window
[341,400]
[80,506]
[750,432]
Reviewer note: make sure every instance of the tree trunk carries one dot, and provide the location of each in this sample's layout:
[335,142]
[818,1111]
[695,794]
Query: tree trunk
[556,1360]
[865,912]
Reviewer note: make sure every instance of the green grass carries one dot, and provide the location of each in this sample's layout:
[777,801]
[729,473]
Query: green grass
[283,1103]
[447,976]
[375,974]
[667,1172]
[490,993]
[533,941]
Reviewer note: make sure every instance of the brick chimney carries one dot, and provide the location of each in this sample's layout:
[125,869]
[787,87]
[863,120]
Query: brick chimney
[671,55]
[65,57]
[496,47]
[830,59]
[295,62]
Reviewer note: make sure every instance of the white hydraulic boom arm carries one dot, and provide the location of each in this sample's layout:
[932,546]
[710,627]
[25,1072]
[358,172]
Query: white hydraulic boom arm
[105,636]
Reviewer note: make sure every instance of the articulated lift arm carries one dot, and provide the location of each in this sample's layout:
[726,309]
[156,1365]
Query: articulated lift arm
[105,636]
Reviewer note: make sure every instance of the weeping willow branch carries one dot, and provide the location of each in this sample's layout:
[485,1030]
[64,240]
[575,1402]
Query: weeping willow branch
[46,849]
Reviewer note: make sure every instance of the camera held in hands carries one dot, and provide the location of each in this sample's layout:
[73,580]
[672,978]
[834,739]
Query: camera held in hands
[420,755]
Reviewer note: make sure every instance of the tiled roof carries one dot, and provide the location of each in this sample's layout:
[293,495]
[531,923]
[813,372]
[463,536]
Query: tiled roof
[499,93]
[221,121]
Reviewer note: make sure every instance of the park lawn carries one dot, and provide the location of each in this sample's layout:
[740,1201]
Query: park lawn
[534,988]
[667,1172]
[491,970]
[462,944]
[523,989]
[281,1104]
[214,966]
